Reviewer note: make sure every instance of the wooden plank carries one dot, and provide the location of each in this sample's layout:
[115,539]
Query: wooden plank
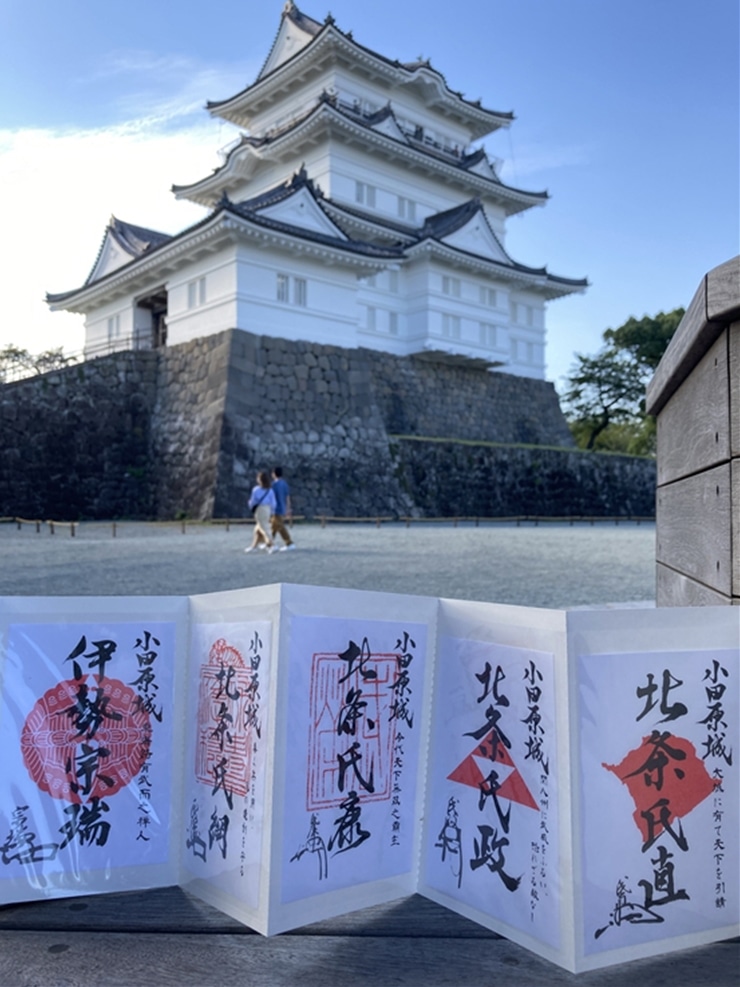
[176,910]
[679,357]
[82,959]
[723,291]
[694,425]
[672,589]
[735,480]
[733,337]
[694,529]
[715,304]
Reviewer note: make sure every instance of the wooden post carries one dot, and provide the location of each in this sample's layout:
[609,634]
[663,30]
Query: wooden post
[114,529]
[72,530]
[38,527]
[51,527]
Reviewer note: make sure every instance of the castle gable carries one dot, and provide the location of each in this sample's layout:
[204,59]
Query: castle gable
[477,237]
[301,209]
[295,32]
[122,243]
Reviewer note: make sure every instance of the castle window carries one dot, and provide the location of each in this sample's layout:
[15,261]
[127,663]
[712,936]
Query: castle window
[393,281]
[488,297]
[196,292]
[393,323]
[283,288]
[299,291]
[450,326]
[451,286]
[114,327]
[487,334]
[406,209]
[370,318]
[365,194]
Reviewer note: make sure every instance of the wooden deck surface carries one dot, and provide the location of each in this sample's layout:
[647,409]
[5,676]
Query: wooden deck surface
[168,937]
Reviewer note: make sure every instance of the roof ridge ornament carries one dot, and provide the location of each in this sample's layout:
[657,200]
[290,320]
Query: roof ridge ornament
[300,177]
[329,19]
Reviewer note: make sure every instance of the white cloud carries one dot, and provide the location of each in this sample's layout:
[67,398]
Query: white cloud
[57,192]
[534,159]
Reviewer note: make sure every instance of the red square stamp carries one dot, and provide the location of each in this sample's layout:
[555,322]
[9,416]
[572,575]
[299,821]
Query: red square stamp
[227,694]
[351,729]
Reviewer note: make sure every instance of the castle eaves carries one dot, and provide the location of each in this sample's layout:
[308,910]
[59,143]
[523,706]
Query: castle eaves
[238,108]
[436,158]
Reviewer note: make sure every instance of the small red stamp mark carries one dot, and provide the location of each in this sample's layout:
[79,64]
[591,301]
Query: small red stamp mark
[351,731]
[224,739]
[76,756]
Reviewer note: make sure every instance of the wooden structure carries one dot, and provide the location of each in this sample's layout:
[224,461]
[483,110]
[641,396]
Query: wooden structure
[695,395]
[168,937]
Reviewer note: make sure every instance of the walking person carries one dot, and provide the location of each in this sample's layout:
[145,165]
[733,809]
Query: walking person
[282,510]
[262,502]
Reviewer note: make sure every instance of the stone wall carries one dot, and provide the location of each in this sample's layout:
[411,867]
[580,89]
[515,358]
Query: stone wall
[76,443]
[183,430]
[455,479]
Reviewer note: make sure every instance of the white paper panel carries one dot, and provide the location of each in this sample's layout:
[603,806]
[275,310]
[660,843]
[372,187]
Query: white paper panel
[89,726]
[354,685]
[496,841]
[228,755]
[656,779]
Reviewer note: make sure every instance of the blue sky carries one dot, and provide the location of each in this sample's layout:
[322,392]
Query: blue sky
[627,113]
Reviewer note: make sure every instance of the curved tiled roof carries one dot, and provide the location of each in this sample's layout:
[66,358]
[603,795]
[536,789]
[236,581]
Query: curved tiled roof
[369,121]
[135,240]
[141,243]
[248,210]
[316,29]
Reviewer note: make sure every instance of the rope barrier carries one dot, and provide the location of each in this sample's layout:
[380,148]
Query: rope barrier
[325,519]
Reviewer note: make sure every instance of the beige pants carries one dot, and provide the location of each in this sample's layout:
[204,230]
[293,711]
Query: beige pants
[262,525]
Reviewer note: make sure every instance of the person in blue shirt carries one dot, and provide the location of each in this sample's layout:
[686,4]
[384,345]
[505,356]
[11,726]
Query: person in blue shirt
[282,510]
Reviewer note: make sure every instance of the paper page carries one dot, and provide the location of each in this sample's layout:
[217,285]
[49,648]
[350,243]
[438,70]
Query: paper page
[88,727]
[496,837]
[352,733]
[492,798]
[225,772]
[228,755]
[656,780]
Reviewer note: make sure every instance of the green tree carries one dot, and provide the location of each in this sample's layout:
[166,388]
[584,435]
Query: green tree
[645,339]
[603,390]
[604,396]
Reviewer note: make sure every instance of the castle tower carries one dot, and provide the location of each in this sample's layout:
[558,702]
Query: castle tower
[356,207]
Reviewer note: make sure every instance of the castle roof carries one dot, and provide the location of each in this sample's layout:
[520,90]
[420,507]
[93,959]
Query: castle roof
[301,39]
[296,212]
[380,127]
[291,214]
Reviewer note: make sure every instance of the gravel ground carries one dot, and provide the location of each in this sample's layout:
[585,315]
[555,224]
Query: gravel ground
[550,565]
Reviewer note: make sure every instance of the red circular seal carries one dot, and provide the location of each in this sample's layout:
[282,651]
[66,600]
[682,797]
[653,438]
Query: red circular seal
[86,739]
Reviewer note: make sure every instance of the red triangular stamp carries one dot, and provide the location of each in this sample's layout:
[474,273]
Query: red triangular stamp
[468,771]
